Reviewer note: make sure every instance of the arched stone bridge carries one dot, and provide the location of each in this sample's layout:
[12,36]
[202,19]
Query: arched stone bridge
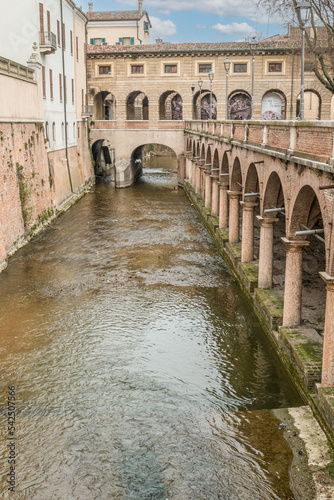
[283,173]
[127,139]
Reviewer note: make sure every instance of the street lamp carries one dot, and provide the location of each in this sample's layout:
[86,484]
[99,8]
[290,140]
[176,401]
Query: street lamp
[200,83]
[303,9]
[192,105]
[227,64]
[253,44]
[211,77]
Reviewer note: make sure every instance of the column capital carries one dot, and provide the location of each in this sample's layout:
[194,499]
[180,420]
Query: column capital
[266,221]
[223,186]
[329,280]
[248,205]
[234,194]
[294,245]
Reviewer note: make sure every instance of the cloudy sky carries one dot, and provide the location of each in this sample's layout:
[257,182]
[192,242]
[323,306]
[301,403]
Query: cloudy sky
[199,20]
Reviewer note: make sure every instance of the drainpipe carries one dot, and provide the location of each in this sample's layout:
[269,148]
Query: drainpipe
[141,41]
[65,92]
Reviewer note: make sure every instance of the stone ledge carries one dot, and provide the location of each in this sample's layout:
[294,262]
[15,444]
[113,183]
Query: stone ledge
[249,272]
[326,403]
[304,353]
[222,236]
[270,304]
[233,251]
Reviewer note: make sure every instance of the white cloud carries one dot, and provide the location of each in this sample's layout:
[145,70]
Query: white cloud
[236,29]
[162,28]
[200,26]
[246,9]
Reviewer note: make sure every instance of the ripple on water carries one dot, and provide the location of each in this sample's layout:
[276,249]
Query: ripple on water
[136,360]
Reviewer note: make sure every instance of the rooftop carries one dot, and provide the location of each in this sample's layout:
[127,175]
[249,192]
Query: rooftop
[116,15]
[274,44]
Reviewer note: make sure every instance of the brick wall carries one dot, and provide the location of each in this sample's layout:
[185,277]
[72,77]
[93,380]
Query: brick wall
[315,140]
[278,137]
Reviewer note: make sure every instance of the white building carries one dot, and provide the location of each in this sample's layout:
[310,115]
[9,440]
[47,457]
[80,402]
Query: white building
[59,29]
[127,27]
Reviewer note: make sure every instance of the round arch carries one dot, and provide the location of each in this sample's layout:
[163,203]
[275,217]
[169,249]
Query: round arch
[170,106]
[208,158]
[201,105]
[312,105]
[273,194]
[215,164]
[104,106]
[236,176]
[273,105]
[240,105]
[252,183]
[137,106]
[306,212]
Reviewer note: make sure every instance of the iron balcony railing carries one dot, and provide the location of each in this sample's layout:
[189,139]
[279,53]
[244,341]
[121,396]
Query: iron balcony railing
[48,40]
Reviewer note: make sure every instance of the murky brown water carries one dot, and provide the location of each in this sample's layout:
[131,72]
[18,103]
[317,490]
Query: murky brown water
[135,359]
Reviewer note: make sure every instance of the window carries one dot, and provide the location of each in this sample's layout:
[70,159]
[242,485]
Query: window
[60,87]
[77,47]
[275,67]
[127,40]
[240,67]
[51,84]
[64,38]
[73,130]
[62,132]
[48,18]
[204,68]
[71,42]
[104,70]
[41,18]
[58,32]
[44,81]
[65,89]
[47,131]
[170,68]
[97,41]
[146,26]
[72,91]
[78,132]
[54,132]
[137,69]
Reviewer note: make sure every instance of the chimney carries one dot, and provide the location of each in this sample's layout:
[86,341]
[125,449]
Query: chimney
[90,6]
[140,6]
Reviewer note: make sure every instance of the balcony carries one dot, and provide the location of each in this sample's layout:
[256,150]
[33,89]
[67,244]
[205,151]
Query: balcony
[87,111]
[48,42]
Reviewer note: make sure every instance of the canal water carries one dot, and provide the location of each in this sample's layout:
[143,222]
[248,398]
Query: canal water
[139,370]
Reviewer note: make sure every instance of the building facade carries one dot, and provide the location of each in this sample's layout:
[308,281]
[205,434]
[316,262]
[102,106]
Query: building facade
[171,82]
[44,114]
[128,27]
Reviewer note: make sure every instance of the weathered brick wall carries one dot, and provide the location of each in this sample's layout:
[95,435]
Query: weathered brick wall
[278,137]
[314,140]
[34,182]
[239,132]
[255,134]
[25,189]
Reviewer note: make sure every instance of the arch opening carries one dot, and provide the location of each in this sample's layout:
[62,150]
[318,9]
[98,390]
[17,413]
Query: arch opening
[273,105]
[104,106]
[137,106]
[170,106]
[240,105]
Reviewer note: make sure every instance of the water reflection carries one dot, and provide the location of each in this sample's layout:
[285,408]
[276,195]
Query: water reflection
[136,359]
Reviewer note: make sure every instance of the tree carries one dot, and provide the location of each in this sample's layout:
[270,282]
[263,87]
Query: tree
[319,33]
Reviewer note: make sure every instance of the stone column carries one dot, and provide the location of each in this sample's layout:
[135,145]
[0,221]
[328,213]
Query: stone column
[202,181]
[223,206]
[234,216]
[215,196]
[327,378]
[190,171]
[208,188]
[266,251]
[247,237]
[198,179]
[293,281]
